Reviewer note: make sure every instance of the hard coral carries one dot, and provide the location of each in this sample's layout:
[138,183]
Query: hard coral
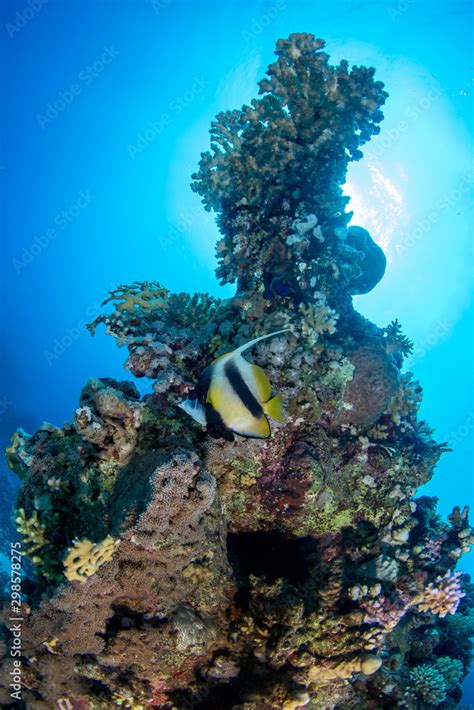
[429,684]
[31,530]
[108,417]
[371,263]
[295,571]
[84,558]
[138,296]
[442,596]
[406,400]
[286,153]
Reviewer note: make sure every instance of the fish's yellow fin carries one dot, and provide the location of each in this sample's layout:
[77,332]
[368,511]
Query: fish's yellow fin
[274,408]
[259,428]
[263,386]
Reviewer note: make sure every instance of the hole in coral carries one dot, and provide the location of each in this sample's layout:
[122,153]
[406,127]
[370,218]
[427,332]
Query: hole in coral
[271,555]
[127,618]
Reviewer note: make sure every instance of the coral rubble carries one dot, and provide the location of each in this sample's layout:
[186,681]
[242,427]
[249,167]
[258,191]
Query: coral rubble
[172,570]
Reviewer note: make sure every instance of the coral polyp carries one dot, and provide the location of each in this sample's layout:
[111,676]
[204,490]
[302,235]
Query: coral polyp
[176,571]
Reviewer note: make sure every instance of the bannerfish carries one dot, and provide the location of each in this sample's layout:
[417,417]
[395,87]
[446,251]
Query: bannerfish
[234,395]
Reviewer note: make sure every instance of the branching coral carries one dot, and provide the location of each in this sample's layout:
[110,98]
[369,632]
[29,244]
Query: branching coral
[429,684]
[395,340]
[31,530]
[295,571]
[451,669]
[318,318]
[443,596]
[406,401]
[286,154]
[168,335]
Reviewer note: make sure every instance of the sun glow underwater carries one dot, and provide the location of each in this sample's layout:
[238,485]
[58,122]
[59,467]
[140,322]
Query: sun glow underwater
[261,497]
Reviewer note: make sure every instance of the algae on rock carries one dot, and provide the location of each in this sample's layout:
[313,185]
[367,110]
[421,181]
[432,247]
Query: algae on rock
[296,571]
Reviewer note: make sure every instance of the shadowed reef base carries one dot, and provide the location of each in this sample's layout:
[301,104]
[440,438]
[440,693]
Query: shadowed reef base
[170,569]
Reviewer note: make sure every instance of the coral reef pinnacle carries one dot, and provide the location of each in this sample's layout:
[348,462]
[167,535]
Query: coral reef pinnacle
[171,570]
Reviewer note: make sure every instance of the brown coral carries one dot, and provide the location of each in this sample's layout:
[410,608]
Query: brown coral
[109,417]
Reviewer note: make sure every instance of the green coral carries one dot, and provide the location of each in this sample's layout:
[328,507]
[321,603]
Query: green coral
[429,684]
[191,311]
[451,669]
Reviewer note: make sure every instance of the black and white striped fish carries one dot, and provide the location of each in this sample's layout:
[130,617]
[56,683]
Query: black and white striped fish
[233,395]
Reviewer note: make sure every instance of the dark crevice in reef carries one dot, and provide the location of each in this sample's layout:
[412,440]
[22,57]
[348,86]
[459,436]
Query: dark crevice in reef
[132,490]
[126,618]
[253,678]
[270,555]
[336,587]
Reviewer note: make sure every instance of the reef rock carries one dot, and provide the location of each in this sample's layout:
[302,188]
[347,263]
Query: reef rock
[368,394]
[372,260]
[173,570]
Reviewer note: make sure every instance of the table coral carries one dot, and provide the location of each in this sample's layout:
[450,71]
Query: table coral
[175,571]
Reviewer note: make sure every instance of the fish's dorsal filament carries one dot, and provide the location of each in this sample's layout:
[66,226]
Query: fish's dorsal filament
[246,346]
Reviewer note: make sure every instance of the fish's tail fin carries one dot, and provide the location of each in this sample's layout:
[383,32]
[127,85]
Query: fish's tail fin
[195,410]
[248,345]
[274,408]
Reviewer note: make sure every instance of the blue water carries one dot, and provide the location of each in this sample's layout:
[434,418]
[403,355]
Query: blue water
[108,106]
